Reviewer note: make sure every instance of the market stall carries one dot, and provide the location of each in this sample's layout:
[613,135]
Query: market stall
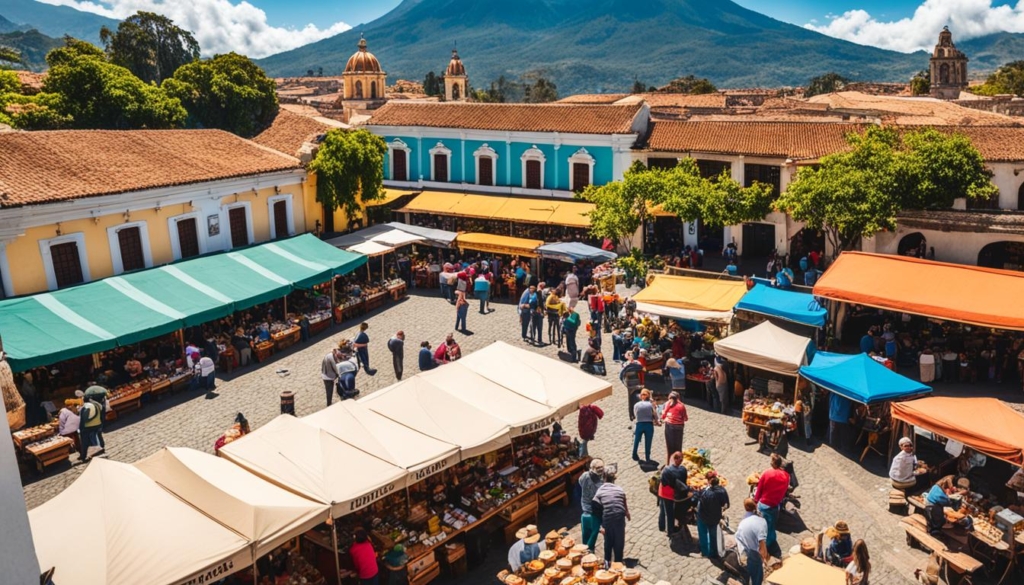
[684,297]
[774,357]
[781,306]
[981,439]
[116,526]
[863,380]
[431,237]
[495,244]
[40,446]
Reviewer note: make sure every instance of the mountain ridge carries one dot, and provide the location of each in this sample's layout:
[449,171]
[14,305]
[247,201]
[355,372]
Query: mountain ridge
[56,21]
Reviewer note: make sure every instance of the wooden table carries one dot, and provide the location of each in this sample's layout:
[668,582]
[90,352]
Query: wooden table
[55,450]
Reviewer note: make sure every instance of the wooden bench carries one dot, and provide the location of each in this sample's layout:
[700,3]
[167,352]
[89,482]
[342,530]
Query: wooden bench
[963,565]
[897,502]
[922,538]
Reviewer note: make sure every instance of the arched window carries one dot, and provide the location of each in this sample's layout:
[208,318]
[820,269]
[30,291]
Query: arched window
[399,163]
[581,170]
[533,168]
[373,90]
[359,90]
[944,74]
[913,245]
[455,91]
[441,167]
[486,163]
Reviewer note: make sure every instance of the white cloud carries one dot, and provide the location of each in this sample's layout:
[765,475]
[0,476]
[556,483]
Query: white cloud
[219,26]
[966,18]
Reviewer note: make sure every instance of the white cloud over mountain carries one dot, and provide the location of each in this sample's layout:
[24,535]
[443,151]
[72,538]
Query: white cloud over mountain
[220,26]
[966,18]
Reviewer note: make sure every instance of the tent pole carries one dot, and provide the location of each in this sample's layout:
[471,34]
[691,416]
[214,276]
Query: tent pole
[332,297]
[286,307]
[255,575]
[334,541]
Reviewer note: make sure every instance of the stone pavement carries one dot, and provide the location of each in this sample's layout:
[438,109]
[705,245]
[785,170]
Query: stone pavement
[832,485]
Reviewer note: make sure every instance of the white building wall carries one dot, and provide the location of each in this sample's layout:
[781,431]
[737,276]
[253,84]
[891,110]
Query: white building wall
[954,247]
[18,564]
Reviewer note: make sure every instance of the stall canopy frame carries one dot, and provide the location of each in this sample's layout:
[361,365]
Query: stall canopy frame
[986,425]
[767,347]
[860,378]
[573,252]
[499,244]
[434,237]
[125,529]
[47,328]
[546,211]
[986,297]
[687,297]
[792,306]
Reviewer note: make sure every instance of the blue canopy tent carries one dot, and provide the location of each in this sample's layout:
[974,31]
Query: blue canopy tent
[792,306]
[860,378]
[573,252]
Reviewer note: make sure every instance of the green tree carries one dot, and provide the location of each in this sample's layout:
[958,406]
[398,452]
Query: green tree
[149,45]
[541,91]
[229,92]
[89,92]
[1008,79]
[621,207]
[921,84]
[690,85]
[638,86]
[855,194]
[716,201]
[350,170]
[827,83]
[9,55]
[431,84]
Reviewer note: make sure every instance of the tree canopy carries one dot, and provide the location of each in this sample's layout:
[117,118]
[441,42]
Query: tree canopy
[921,84]
[432,84]
[229,92]
[690,85]
[1008,79]
[9,55]
[827,83]
[349,166]
[855,194]
[86,91]
[621,207]
[149,45]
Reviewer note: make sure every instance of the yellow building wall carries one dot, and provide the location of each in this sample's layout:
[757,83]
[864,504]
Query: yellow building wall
[28,275]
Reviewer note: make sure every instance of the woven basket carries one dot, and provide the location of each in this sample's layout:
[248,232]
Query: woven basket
[16,418]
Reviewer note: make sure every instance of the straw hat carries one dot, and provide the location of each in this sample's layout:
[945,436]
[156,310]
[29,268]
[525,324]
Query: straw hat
[842,528]
[529,535]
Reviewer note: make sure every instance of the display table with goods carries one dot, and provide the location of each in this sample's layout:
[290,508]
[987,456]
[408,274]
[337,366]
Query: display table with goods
[127,398]
[319,321]
[570,566]
[41,446]
[165,381]
[698,465]
[397,288]
[284,335]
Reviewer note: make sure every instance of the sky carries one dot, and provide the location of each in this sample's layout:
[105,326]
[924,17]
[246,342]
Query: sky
[263,27]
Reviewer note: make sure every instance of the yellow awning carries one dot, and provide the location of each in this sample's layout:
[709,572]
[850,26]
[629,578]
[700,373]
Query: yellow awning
[572,214]
[440,202]
[691,293]
[529,210]
[498,244]
[390,196]
[502,208]
[659,211]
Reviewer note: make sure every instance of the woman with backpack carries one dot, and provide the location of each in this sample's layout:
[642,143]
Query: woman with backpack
[711,506]
[672,488]
[570,325]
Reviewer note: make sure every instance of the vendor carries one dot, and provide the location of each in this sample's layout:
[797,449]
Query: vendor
[906,468]
[939,497]
[526,549]
[364,558]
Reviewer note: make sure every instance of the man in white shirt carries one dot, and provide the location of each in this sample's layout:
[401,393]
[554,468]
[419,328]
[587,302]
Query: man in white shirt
[751,535]
[329,373]
[903,471]
[572,287]
[207,374]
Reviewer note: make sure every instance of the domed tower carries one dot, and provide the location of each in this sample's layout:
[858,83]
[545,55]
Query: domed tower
[948,68]
[364,80]
[456,83]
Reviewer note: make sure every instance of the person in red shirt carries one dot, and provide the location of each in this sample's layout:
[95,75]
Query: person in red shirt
[771,491]
[364,558]
[674,416]
[587,425]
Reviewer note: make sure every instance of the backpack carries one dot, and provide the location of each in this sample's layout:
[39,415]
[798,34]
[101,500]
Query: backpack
[654,483]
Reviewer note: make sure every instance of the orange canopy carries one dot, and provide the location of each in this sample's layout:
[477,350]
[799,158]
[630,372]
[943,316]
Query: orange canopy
[966,294]
[983,424]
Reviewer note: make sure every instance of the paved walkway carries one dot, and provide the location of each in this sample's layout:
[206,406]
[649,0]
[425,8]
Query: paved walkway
[832,487]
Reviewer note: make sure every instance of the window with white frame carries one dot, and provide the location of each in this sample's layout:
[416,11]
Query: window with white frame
[440,163]
[129,247]
[398,160]
[186,241]
[486,165]
[282,220]
[581,170]
[533,168]
[64,260]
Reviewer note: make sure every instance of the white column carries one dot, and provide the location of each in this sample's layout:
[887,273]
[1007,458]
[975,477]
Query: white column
[18,562]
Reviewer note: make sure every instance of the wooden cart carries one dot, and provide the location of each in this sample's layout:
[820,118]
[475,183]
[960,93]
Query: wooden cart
[46,453]
[285,339]
[264,350]
[319,326]
[398,292]
[160,387]
[124,403]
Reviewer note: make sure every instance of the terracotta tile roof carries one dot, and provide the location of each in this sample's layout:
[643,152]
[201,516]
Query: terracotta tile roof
[44,167]
[918,111]
[31,82]
[995,143]
[593,98]
[571,118]
[677,100]
[796,140]
[289,131]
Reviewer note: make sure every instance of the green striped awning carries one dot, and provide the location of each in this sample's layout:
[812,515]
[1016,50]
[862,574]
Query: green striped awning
[46,328]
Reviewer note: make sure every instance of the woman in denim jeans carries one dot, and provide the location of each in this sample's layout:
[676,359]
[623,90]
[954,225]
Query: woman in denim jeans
[646,415]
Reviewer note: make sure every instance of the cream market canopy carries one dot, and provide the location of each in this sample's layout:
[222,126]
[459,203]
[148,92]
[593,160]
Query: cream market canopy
[46,328]
[541,379]
[688,297]
[767,347]
[315,464]
[409,449]
[263,513]
[116,526]
[429,409]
